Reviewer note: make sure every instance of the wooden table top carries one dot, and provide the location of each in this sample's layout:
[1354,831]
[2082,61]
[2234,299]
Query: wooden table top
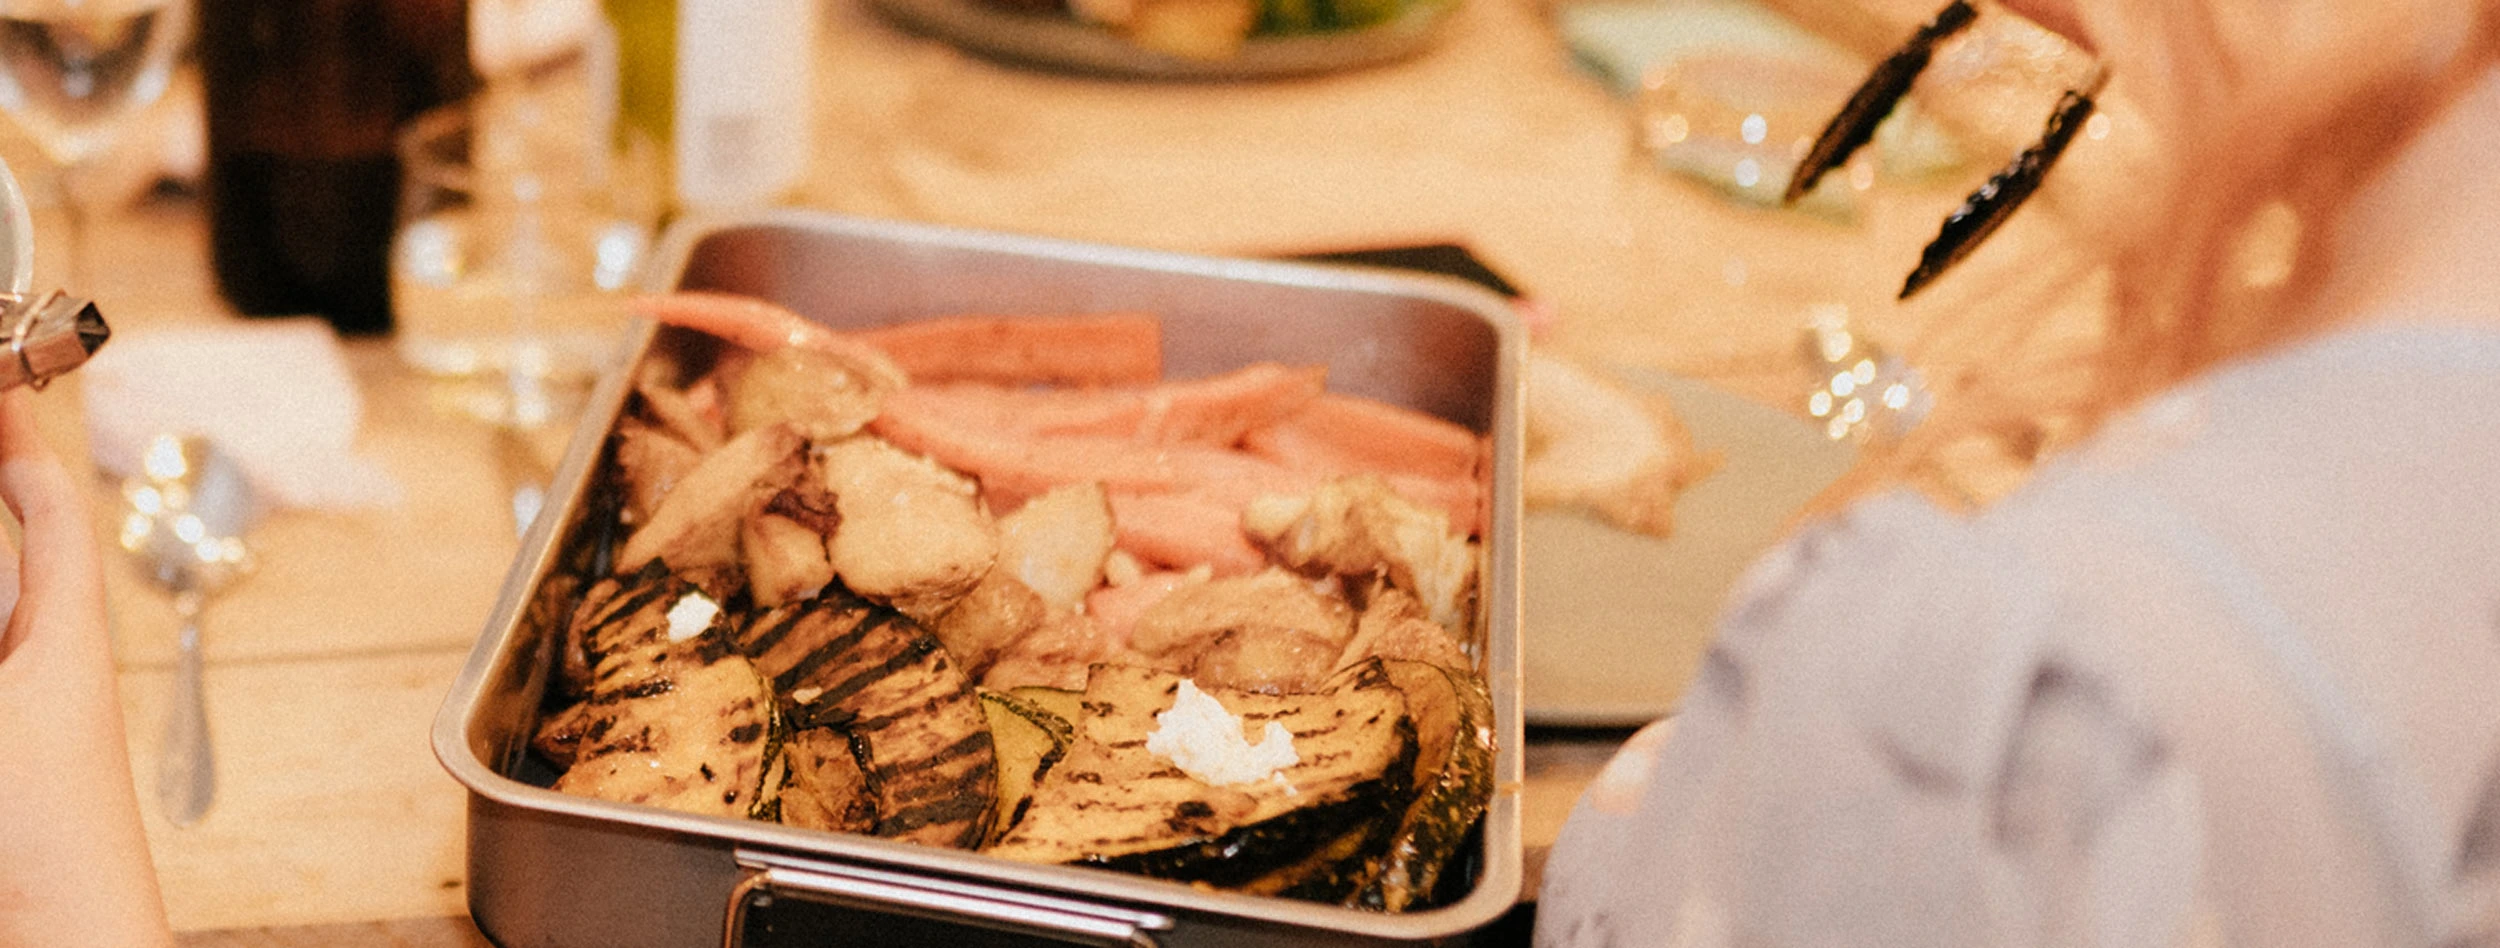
[334,824]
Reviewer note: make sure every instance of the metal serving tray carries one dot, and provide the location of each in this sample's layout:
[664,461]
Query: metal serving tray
[549,870]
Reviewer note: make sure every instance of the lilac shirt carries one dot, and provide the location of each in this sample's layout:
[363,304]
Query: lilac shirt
[2230,675]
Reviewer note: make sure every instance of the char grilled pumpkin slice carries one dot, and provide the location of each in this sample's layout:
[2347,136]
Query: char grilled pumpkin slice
[616,613]
[1336,872]
[1453,782]
[1029,741]
[913,722]
[824,788]
[617,616]
[687,725]
[1067,705]
[1114,804]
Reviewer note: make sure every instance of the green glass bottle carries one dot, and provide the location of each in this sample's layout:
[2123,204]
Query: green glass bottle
[722,88]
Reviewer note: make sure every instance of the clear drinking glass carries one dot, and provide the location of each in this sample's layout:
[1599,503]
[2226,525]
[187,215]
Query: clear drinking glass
[72,72]
[1740,123]
[517,231]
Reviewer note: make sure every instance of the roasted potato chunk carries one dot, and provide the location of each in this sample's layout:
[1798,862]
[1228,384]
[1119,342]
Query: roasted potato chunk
[913,534]
[674,409]
[1266,661]
[1356,527]
[652,461]
[997,612]
[785,559]
[1195,616]
[1058,542]
[696,525]
[819,393]
[1056,654]
[1395,626]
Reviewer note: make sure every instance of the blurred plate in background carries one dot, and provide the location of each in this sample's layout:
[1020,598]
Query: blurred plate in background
[1616,623]
[1060,42]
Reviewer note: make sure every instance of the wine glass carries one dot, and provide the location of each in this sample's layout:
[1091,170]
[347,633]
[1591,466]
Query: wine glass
[521,224]
[72,72]
[515,241]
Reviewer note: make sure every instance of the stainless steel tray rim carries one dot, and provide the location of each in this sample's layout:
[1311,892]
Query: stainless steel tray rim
[678,244]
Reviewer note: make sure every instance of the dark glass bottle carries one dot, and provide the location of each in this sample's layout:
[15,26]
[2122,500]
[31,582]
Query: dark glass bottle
[304,98]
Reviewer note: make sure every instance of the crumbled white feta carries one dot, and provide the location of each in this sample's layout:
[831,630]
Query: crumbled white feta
[1205,741]
[692,614]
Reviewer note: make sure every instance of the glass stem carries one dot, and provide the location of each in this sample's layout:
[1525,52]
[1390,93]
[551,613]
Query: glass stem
[74,225]
[525,366]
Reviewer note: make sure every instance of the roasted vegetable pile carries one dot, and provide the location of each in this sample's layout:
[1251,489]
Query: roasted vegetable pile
[994,584]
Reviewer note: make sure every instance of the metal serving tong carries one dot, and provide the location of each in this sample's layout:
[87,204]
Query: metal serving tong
[1883,89]
[1980,214]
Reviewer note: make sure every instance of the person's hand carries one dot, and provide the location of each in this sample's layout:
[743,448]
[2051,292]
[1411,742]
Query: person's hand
[74,866]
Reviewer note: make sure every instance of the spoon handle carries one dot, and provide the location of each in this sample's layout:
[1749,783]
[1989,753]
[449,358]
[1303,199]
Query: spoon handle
[186,776]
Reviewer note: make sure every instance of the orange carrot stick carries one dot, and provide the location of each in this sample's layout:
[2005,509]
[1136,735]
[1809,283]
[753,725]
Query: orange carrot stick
[1182,530]
[1094,349]
[763,327]
[1344,434]
[1214,411]
[1014,467]
[1462,498]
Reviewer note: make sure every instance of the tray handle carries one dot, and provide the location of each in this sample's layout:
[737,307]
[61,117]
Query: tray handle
[939,900]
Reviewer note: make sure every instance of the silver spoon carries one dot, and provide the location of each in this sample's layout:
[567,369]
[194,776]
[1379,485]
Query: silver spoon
[185,513]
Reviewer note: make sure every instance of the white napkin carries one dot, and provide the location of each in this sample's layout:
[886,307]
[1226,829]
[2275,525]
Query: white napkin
[275,396]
